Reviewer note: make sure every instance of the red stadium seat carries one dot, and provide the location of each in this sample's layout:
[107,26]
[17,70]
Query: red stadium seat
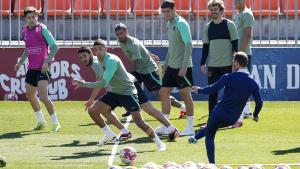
[264,8]
[86,10]
[146,6]
[4,10]
[62,7]
[230,5]
[289,7]
[117,7]
[199,7]
[182,7]
[26,3]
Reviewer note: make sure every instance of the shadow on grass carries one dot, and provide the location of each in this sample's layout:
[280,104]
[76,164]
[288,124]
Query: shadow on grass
[75,143]
[20,134]
[288,151]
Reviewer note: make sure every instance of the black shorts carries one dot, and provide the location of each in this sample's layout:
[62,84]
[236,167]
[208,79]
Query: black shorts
[129,102]
[141,93]
[34,76]
[171,78]
[150,80]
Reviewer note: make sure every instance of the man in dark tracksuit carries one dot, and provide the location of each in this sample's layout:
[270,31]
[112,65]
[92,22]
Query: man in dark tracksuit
[239,86]
[220,41]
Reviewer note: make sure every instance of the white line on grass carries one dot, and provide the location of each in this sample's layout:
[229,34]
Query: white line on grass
[115,147]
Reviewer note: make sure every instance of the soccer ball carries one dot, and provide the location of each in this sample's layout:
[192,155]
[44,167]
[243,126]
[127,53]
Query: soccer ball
[11,97]
[2,162]
[128,155]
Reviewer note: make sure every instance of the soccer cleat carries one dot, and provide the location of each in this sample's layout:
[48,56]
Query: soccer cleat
[173,135]
[237,124]
[192,140]
[126,114]
[247,115]
[40,126]
[56,127]
[189,131]
[161,130]
[107,139]
[182,114]
[125,136]
[161,146]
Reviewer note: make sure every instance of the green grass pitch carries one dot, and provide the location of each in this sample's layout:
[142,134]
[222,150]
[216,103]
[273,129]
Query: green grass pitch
[274,139]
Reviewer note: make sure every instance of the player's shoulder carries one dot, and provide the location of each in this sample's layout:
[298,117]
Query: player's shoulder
[247,12]
[181,21]
[229,22]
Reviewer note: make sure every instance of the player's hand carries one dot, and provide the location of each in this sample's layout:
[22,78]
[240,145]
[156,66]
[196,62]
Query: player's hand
[45,68]
[89,104]
[182,72]
[195,89]
[17,67]
[155,57]
[77,83]
[256,118]
[203,69]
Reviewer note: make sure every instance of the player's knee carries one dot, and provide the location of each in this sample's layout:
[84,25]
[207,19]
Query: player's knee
[163,94]
[185,95]
[92,111]
[141,124]
[30,96]
[44,99]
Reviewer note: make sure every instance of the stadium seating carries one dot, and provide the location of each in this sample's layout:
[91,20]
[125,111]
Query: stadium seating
[117,7]
[288,7]
[182,7]
[4,9]
[58,7]
[86,9]
[266,8]
[199,7]
[24,3]
[139,6]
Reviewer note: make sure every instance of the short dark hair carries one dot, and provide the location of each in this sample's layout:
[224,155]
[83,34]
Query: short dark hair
[241,58]
[30,9]
[100,42]
[85,49]
[219,3]
[120,26]
[167,4]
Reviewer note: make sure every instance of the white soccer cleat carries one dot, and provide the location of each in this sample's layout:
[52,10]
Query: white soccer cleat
[189,131]
[107,139]
[162,146]
[161,130]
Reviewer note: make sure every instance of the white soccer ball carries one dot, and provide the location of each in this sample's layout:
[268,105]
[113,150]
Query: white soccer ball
[128,155]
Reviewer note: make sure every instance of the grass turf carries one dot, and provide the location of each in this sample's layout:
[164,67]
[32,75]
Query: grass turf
[274,139]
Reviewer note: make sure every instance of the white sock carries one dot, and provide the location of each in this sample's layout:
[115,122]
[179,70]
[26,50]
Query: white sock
[156,139]
[190,121]
[246,109]
[54,118]
[40,117]
[182,108]
[167,116]
[241,118]
[170,129]
[108,131]
[124,130]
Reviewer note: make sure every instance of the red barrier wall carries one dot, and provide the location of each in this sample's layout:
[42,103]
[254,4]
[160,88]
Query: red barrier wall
[64,68]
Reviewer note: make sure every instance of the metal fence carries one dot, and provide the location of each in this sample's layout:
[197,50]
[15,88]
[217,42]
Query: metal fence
[77,22]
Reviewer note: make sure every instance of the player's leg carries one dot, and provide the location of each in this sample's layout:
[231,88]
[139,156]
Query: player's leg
[212,76]
[94,113]
[43,94]
[31,91]
[184,84]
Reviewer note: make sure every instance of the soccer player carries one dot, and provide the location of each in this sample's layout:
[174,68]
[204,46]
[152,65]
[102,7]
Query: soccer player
[86,57]
[244,21]
[178,66]
[123,92]
[220,41]
[38,40]
[239,86]
[145,68]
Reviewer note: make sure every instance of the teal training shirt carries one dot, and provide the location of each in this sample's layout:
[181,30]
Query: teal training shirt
[115,75]
[180,44]
[136,51]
